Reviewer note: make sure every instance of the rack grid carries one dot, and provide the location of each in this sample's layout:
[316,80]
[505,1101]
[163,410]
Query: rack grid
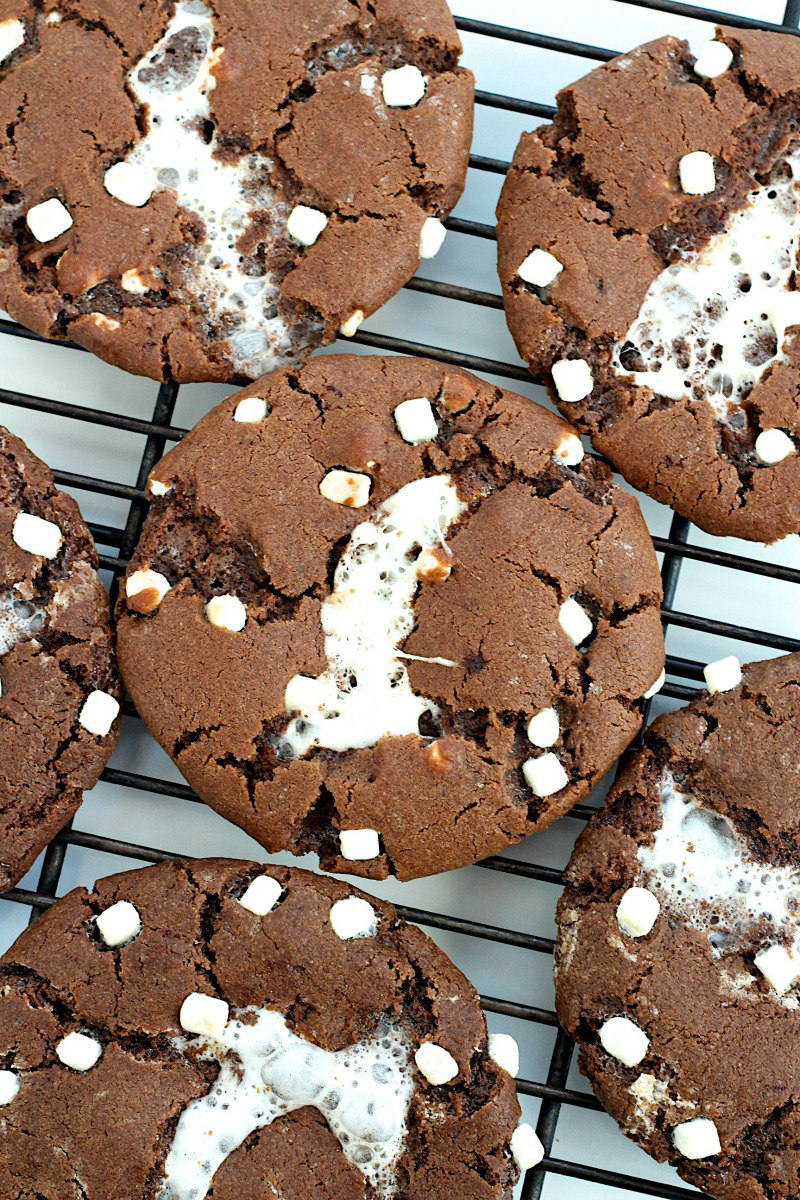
[676,549]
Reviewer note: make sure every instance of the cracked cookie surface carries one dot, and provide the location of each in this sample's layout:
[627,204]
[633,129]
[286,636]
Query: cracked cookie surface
[58,685]
[677,959]
[207,191]
[373,614]
[648,237]
[102,1069]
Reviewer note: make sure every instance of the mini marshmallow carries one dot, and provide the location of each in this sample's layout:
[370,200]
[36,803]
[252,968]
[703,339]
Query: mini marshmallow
[696,173]
[359,844]
[435,1063]
[157,488]
[131,184]
[349,328]
[431,237]
[79,1051]
[624,1040]
[305,692]
[99,713]
[48,220]
[544,775]
[36,536]
[351,488]
[104,322]
[779,966]
[504,1050]
[261,895]
[543,728]
[132,282]
[9,1080]
[637,911]
[251,410]
[713,60]
[540,268]
[403,87]
[119,923]
[525,1147]
[226,612]
[657,686]
[575,621]
[12,35]
[572,379]
[569,451]
[697,1138]
[722,675]
[773,446]
[353,918]
[416,421]
[206,1015]
[435,564]
[306,224]
[144,590]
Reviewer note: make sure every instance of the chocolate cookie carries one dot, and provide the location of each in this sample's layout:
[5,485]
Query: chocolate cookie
[195,194]
[58,684]
[220,1029]
[385,612]
[648,244]
[678,955]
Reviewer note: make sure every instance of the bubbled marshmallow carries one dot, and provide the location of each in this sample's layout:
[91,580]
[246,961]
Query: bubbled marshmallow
[714,59]
[572,379]
[350,488]
[357,845]
[79,1051]
[306,224]
[12,35]
[624,1040]
[99,712]
[435,1063]
[543,728]
[773,446]
[353,918]
[697,1138]
[119,924]
[129,183]
[251,410]
[637,911]
[416,421]
[504,1050]
[696,173]
[544,775]
[431,237]
[261,895]
[205,1015]
[48,220]
[403,87]
[526,1149]
[723,675]
[35,535]
[226,612]
[540,268]
[9,1086]
[575,621]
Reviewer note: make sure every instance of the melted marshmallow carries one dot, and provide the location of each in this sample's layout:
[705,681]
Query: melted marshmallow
[713,321]
[266,1072]
[365,692]
[19,619]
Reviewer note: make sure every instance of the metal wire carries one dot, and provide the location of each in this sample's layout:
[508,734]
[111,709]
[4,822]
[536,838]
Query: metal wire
[683,674]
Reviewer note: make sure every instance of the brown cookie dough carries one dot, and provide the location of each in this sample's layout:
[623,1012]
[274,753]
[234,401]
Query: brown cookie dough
[648,242]
[357,585]
[219,1029]
[678,955]
[198,192]
[58,683]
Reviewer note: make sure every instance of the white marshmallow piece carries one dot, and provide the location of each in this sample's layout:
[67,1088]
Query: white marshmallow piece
[306,224]
[637,911]
[431,237]
[572,379]
[504,1050]
[48,220]
[657,686]
[132,282]
[544,775]
[696,173]
[251,411]
[697,1138]
[357,845]
[129,183]
[350,488]
[403,87]
[119,924]
[569,451]
[543,729]
[349,328]
[416,421]
[575,621]
[157,488]
[261,895]
[99,713]
[773,446]
[526,1149]
[79,1051]
[36,536]
[540,268]
[624,1040]
[12,35]
[779,966]
[206,1015]
[9,1083]
[226,612]
[353,918]
[713,60]
[305,693]
[722,675]
[147,581]
[435,1063]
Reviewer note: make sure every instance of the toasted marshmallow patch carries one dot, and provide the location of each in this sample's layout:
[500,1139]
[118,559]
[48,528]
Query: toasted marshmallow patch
[779,966]
[9,1086]
[145,589]
[130,183]
[543,728]
[79,1051]
[206,1015]
[306,224]
[350,488]
[773,446]
[35,535]
[504,1050]
[431,237]
[226,612]
[624,1040]
[435,1063]
[435,564]
[656,686]
[572,379]
[637,911]
[696,173]
[722,675]
[575,621]
[353,918]
[99,713]
[359,844]
[251,410]
[697,1138]
[48,220]
[157,488]
[540,268]
[119,923]
[713,60]
[349,328]
[261,895]
[569,451]
[525,1147]
[12,35]
[403,87]
[544,775]
[416,421]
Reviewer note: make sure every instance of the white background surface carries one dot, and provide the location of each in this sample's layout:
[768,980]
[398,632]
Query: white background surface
[483,895]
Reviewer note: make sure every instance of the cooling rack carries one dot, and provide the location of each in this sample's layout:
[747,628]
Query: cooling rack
[103,431]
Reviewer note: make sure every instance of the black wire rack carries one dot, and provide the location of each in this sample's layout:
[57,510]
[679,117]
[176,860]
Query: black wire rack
[683,674]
